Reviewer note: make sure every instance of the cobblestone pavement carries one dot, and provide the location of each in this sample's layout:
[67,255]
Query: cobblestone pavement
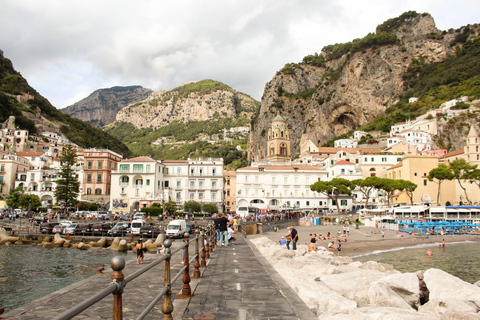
[238,283]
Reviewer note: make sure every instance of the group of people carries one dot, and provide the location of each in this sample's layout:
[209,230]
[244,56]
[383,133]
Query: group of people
[226,228]
[290,237]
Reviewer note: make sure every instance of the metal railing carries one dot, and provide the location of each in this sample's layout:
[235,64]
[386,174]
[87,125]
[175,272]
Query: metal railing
[119,280]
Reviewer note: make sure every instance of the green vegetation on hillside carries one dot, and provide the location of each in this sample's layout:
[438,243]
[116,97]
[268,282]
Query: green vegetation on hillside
[434,84]
[77,131]
[181,140]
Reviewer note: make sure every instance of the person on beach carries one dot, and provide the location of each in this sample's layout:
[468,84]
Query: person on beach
[282,241]
[413,236]
[331,245]
[429,253]
[288,237]
[339,248]
[312,247]
[139,248]
[294,234]
[383,234]
[443,243]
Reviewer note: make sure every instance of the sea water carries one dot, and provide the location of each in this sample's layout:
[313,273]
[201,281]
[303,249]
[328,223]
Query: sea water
[28,273]
[458,258]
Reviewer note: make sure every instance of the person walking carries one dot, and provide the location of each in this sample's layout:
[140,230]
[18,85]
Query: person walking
[294,235]
[139,248]
[222,227]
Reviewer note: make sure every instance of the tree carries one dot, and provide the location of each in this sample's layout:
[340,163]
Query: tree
[473,177]
[13,197]
[409,188]
[210,208]
[194,205]
[334,189]
[389,186]
[366,185]
[29,201]
[67,188]
[462,169]
[170,207]
[441,173]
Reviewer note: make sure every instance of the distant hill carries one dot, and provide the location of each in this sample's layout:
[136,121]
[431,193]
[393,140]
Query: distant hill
[38,115]
[101,107]
[193,120]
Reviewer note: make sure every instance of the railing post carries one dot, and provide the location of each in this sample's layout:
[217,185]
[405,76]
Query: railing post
[186,290]
[196,264]
[167,306]
[117,264]
[203,264]
[214,240]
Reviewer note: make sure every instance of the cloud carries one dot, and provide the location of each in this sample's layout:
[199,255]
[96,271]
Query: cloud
[68,49]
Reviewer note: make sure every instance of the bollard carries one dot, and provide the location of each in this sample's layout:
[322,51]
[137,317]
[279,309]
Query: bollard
[203,264]
[196,264]
[131,238]
[100,270]
[68,236]
[117,264]
[167,306]
[186,290]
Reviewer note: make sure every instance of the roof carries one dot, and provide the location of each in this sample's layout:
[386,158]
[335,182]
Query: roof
[140,159]
[278,118]
[344,162]
[29,153]
[398,165]
[281,168]
[175,161]
[332,150]
[452,154]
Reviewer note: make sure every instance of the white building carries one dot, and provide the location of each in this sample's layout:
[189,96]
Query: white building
[280,187]
[345,143]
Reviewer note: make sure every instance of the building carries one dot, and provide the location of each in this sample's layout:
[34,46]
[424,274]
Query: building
[472,148]
[230,183]
[12,168]
[280,187]
[345,143]
[278,144]
[97,165]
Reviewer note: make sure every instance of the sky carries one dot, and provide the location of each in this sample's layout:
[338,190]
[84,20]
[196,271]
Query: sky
[68,49]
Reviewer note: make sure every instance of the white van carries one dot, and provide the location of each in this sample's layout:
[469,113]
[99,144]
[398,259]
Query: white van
[176,229]
[136,225]
[139,216]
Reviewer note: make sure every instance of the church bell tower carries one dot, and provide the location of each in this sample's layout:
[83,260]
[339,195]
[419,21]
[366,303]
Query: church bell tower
[278,145]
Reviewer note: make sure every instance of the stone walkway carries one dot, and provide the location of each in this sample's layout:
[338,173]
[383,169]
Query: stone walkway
[238,283]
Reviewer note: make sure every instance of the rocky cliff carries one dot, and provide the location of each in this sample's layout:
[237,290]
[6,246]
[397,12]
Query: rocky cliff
[346,91]
[194,101]
[101,107]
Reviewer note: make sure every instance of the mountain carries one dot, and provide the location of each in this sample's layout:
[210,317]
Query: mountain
[349,85]
[35,113]
[101,107]
[198,119]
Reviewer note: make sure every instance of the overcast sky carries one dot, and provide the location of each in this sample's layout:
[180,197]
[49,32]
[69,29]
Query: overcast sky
[68,49]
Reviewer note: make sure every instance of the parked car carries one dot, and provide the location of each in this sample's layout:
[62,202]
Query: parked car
[103,215]
[149,231]
[84,229]
[71,228]
[120,229]
[48,227]
[101,229]
[58,228]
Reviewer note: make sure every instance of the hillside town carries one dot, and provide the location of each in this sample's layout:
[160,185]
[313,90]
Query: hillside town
[275,184]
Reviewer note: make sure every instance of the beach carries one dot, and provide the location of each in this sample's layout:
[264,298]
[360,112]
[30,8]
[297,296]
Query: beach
[365,239]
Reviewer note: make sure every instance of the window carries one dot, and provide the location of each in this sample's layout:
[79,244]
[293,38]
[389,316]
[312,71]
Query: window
[147,168]
[356,161]
[200,195]
[192,171]
[89,191]
[214,184]
[228,182]
[424,182]
[148,182]
[179,196]
[214,196]
[179,171]
[89,177]
[2,168]
[200,184]
[228,193]
[214,171]
[137,168]
[200,172]
[89,165]
[124,168]
[99,177]
[274,180]
[139,182]
[125,179]
[192,196]
[98,191]
[256,179]
[273,192]
[179,183]
[100,164]
[343,202]
[192,184]
[1,179]
[166,184]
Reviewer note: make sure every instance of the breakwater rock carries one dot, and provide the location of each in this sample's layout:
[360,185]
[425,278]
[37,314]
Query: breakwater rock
[336,287]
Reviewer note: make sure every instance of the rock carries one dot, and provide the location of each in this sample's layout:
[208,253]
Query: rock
[83,246]
[375,313]
[74,245]
[67,244]
[477,283]
[115,242]
[4,237]
[405,287]
[373,265]
[122,246]
[19,242]
[453,309]
[150,246]
[58,241]
[159,241]
[100,243]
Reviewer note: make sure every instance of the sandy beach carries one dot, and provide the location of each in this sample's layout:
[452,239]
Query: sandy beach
[365,239]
